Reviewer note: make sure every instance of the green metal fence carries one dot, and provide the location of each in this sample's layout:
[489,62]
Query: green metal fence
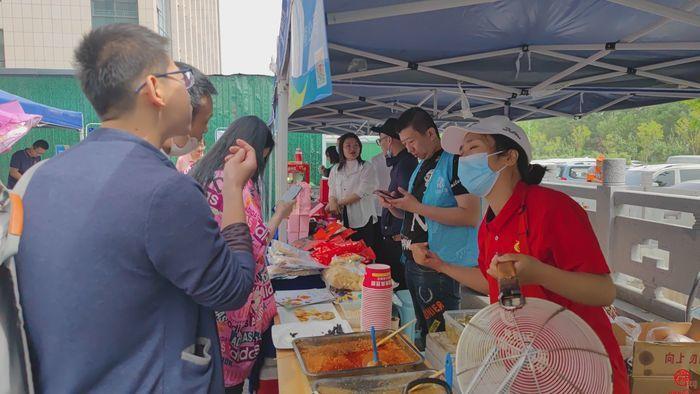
[239,95]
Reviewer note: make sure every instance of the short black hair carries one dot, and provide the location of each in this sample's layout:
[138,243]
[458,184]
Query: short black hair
[41,144]
[332,154]
[109,61]
[202,86]
[418,119]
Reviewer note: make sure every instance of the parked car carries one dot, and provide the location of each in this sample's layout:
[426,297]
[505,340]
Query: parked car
[574,169]
[684,159]
[663,175]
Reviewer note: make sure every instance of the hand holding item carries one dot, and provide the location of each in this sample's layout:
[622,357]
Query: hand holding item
[332,207]
[240,164]
[407,202]
[425,257]
[528,269]
[384,202]
[285,208]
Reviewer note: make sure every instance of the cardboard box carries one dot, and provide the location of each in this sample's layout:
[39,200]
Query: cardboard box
[665,359]
[685,384]
[665,367]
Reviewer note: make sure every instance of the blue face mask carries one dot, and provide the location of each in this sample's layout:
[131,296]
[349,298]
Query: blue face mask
[476,175]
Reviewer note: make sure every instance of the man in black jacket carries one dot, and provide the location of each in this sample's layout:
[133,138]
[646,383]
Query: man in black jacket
[402,165]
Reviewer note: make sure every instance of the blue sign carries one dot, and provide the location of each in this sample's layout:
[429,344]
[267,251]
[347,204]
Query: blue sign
[61,148]
[310,66]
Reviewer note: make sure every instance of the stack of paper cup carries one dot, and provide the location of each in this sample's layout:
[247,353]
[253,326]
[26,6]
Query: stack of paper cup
[377,291]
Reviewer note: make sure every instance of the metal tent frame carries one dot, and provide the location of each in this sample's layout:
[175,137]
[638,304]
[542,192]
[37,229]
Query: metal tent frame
[646,65]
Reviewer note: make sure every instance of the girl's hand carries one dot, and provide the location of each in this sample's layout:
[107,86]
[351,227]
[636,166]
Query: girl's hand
[528,269]
[285,208]
[405,203]
[425,257]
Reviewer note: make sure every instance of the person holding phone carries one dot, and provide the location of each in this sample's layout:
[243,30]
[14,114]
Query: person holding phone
[350,190]
[401,164]
[241,332]
[438,210]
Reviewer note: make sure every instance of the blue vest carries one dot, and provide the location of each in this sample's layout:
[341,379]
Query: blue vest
[454,244]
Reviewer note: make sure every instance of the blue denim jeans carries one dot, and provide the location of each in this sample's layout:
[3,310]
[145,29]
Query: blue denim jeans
[433,293]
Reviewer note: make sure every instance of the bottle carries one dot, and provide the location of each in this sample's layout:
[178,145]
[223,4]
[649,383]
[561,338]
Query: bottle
[298,155]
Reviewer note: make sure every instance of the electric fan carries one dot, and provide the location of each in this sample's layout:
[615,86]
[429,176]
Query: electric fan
[537,346]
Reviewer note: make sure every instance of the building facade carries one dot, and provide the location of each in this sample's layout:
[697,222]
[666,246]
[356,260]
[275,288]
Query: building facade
[42,34]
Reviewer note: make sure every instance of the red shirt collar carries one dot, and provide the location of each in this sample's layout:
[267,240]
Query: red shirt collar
[494,223]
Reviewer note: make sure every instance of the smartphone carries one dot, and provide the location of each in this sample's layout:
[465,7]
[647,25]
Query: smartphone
[291,193]
[385,194]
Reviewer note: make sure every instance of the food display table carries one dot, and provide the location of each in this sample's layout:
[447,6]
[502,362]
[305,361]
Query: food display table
[290,377]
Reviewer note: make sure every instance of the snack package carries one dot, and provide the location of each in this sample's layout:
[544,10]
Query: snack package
[345,272]
[326,251]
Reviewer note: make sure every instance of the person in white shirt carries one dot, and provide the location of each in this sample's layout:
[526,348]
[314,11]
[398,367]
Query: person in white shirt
[351,185]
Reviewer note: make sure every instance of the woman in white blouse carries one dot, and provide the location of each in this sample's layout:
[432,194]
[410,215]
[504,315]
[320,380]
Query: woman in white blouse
[351,185]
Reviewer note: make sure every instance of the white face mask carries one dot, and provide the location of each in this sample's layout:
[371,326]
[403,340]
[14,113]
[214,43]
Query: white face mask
[177,151]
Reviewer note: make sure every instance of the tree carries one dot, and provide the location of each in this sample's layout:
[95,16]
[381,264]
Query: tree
[580,136]
[650,140]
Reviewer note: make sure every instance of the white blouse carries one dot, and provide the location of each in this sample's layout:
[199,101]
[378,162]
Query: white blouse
[355,179]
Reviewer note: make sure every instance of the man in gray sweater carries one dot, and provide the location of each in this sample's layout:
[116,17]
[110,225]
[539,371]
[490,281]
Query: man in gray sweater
[121,262]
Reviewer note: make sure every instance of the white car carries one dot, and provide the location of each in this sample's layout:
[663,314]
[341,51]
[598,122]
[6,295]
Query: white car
[663,175]
[683,159]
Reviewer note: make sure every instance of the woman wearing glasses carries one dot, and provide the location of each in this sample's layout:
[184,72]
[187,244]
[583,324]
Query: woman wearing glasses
[350,188]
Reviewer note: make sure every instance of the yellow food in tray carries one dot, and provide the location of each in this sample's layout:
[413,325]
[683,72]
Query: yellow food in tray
[312,314]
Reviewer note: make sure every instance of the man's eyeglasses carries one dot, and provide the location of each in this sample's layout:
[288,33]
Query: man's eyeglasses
[187,78]
[381,139]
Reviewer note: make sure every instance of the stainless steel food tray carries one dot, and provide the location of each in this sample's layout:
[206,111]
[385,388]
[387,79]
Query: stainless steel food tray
[300,344]
[370,383]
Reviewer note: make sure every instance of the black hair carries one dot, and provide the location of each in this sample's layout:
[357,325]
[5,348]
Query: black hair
[41,144]
[531,174]
[250,129]
[418,119]
[332,154]
[341,141]
[111,59]
[202,87]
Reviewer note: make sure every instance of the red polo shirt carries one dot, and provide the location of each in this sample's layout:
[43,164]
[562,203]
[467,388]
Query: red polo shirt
[557,233]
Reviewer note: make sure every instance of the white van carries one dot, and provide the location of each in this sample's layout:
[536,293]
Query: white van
[663,175]
[683,159]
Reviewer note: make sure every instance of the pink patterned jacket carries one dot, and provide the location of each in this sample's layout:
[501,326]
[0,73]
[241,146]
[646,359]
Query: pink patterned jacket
[240,331]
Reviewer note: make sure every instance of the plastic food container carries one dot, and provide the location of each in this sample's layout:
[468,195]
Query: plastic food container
[375,384]
[350,310]
[455,321]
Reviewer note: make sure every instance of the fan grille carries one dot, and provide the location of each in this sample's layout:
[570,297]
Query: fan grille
[540,348]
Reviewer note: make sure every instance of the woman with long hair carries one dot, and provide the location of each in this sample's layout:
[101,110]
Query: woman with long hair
[351,185]
[543,233]
[241,331]
[333,158]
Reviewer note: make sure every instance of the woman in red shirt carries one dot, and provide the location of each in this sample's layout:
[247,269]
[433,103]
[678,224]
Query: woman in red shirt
[545,233]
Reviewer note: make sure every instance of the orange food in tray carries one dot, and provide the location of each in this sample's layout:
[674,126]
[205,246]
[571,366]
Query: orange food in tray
[353,354]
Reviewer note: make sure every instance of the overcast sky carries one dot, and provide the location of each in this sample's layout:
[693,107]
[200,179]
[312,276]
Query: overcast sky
[248,35]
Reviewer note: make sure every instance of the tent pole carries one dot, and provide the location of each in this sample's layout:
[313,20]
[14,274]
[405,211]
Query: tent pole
[548,105]
[368,73]
[608,105]
[600,54]
[641,73]
[282,143]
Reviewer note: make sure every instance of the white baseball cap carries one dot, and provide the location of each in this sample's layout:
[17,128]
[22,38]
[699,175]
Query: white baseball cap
[453,136]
